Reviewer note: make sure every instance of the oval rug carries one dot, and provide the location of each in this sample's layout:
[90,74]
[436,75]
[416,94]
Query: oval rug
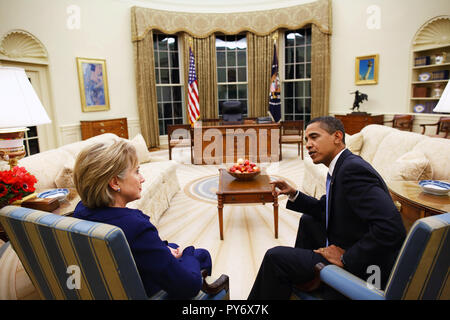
[205,188]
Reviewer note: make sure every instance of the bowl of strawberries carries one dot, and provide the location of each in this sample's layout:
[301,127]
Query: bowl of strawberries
[244,169]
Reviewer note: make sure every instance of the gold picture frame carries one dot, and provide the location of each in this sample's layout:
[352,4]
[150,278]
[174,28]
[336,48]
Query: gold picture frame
[93,84]
[366,69]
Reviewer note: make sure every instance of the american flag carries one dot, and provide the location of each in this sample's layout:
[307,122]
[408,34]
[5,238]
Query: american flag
[275,90]
[194,106]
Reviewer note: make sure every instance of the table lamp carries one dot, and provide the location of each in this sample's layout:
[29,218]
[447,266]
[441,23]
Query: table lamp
[20,107]
[444,102]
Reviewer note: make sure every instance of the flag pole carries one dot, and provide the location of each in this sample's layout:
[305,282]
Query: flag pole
[193,94]
[275,90]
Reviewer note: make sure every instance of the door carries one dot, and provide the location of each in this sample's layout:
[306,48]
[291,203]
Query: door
[40,138]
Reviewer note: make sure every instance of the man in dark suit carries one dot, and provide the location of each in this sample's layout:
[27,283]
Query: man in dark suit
[354,226]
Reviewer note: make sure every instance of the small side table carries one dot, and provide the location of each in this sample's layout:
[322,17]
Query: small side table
[66,208]
[257,190]
[416,204]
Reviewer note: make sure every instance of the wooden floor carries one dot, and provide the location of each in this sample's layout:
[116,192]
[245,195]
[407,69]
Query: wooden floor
[248,229]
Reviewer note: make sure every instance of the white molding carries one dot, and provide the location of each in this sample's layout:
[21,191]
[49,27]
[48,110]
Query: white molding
[209,6]
[20,44]
[70,133]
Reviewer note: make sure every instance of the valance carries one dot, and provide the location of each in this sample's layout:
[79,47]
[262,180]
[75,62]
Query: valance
[202,25]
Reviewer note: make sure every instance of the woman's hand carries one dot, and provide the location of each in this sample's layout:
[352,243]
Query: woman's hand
[177,253]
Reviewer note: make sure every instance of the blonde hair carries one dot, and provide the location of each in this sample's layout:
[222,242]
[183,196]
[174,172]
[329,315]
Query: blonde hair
[96,165]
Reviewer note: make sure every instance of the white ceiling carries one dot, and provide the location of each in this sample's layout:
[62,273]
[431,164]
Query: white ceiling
[214,5]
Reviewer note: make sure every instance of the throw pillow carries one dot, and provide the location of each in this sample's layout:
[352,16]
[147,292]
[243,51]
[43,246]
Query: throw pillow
[412,166]
[354,143]
[64,178]
[141,147]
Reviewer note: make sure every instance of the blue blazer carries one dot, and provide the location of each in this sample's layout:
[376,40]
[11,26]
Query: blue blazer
[363,219]
[158,268]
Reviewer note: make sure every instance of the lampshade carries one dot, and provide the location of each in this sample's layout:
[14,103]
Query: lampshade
[19,103]
[20,107]
[444,103]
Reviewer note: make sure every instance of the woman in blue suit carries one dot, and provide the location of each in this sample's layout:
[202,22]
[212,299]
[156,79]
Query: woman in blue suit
[107,177]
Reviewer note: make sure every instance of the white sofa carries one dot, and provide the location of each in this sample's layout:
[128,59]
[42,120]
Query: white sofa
[54,168]
[395,154]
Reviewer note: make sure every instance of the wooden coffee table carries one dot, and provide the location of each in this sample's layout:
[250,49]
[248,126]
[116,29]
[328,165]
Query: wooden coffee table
[416,204]
[232,191]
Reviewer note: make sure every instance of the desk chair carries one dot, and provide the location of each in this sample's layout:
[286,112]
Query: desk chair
[421,271]
[51,247]
[232,111]
[443,125]
[291,132]
[402,122]
[180,135]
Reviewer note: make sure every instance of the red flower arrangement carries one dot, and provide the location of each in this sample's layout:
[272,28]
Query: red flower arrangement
[15,184]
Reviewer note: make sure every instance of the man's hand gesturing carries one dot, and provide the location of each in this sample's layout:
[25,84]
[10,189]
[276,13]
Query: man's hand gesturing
[283,188]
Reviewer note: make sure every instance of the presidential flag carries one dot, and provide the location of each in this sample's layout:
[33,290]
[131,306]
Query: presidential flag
[193,104]
[275,90]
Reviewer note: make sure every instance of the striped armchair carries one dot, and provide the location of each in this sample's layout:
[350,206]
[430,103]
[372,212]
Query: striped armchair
[421,272]
[69,258]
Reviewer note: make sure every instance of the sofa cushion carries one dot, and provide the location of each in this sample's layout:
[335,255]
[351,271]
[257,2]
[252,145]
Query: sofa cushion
[437,150]
[141,147]
[64,178]
[412,166]
[393,146]
[354,143]
[372,136]
[76,147]
[45,166]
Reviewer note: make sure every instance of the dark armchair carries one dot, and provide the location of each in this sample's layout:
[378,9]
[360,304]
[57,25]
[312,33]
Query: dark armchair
[232,111]
[443,125]
[402,122]
[180,135]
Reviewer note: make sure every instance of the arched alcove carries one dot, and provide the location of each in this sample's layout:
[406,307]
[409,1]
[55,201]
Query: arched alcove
[22,45]
[20,48]
[435,32]
[430,65]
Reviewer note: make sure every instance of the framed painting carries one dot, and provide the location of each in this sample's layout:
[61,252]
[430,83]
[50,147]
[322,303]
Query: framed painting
[366,70]
[93,84]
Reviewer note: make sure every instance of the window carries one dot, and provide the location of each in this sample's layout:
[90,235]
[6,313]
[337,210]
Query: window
[31,141]
[231,54]
[168,85]
[297,75]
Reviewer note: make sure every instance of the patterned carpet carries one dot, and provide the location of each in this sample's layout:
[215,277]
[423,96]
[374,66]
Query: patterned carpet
[192,219]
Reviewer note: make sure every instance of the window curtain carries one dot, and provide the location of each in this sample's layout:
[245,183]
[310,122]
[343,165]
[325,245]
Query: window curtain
[259,25]
[204,50]
[259,69]
[146,89]
[320,72]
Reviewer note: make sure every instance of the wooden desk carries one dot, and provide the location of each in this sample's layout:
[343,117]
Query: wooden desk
[216,142]
[353,123]
[257,190]
[416,204]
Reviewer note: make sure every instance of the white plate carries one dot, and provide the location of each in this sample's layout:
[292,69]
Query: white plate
[435,187]
[59,194]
